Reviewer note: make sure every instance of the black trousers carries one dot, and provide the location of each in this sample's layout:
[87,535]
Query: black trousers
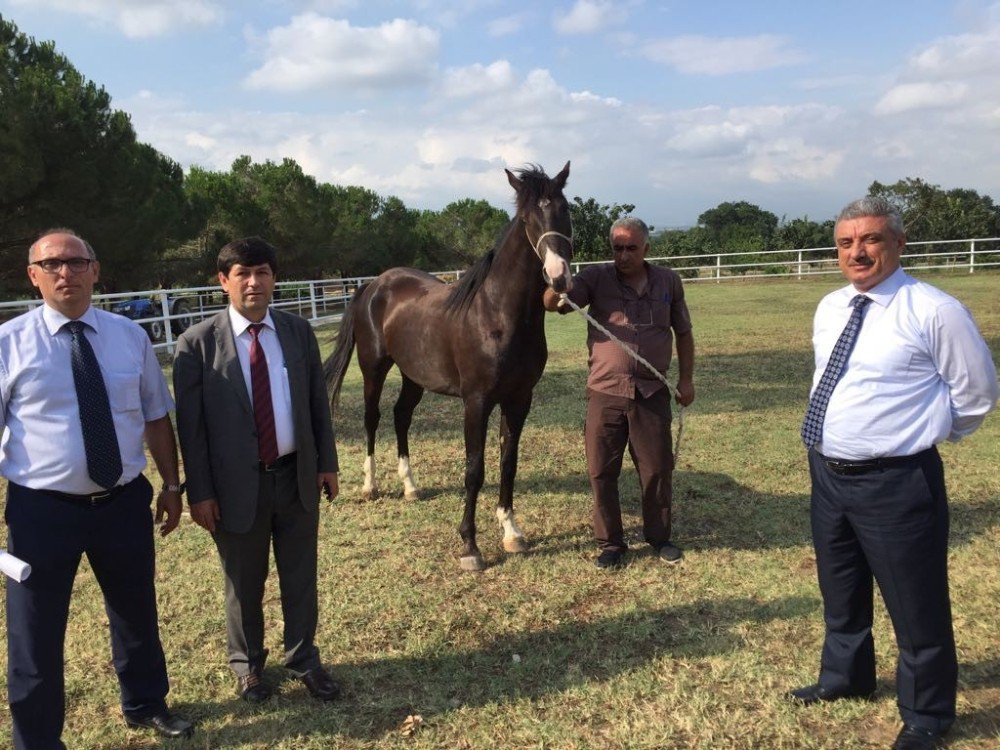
[890,524]
[642,424]
[282,521]
[52,534]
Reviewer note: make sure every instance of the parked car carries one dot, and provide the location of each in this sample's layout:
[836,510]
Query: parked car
[143,308]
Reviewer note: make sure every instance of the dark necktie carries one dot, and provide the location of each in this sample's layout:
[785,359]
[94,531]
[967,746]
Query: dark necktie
[812,425]
[263,409]
[100,443]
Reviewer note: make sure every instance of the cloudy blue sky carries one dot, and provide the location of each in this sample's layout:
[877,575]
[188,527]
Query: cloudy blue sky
[672,106]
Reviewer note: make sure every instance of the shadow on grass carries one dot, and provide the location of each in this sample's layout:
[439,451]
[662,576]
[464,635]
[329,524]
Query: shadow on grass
[380,694]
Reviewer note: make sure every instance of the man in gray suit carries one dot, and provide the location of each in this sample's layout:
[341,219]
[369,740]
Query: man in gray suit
[254,425]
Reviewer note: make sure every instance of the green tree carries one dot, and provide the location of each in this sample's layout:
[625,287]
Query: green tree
[68,159]
[592,225]
[802,233]
[931,213]
[739,226]
[464,230]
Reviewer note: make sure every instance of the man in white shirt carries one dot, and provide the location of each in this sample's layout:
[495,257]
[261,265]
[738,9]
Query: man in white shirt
[900,366]
[79,390]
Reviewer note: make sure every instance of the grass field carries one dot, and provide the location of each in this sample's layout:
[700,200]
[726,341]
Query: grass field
[543,650]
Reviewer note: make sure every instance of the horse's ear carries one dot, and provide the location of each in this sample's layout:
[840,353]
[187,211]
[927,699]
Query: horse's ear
[560,179]
[514,181]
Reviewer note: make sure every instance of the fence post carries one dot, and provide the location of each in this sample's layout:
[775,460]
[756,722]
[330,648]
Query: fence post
[312,299]
[718,269]
[168,329]
[800,265]
[972,256]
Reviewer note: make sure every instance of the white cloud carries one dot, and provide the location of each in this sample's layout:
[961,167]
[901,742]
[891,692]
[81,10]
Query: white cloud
[586,17]
[910,96]
[716,56]
[316,52]
[477,80]
[139,18]
[506,25]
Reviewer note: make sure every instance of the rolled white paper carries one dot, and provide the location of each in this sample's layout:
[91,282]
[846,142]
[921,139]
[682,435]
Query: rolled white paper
[14,567]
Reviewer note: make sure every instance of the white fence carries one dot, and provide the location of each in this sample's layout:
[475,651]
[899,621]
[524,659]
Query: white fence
[966,255]
[165,313]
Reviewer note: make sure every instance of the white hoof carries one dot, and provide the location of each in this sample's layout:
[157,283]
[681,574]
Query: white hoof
[472,563]
[515,544]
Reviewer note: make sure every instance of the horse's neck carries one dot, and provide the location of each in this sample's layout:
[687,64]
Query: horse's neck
[515,284]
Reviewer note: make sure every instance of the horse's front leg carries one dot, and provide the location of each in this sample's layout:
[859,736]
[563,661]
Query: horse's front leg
[513,413]
[477,415]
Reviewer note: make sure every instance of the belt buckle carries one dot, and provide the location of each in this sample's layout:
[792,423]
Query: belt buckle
[100,497]
[268,468]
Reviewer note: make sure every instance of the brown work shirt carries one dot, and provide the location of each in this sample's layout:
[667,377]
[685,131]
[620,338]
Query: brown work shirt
[643,322]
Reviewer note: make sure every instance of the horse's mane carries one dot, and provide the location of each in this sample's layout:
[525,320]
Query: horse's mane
[535,186]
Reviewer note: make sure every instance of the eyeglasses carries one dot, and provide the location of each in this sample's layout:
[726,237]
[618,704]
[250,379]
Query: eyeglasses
[623,248]
[54,265]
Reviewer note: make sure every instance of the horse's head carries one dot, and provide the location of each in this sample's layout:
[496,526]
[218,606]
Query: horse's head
[544,211]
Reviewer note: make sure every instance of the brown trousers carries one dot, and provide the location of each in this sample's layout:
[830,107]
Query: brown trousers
[644,425]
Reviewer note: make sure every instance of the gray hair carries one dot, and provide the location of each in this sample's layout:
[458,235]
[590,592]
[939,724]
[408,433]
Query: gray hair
[632,224]
[61,230]
[872,205]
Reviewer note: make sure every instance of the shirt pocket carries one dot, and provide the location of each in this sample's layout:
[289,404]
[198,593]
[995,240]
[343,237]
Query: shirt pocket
[123,392]
[661,313]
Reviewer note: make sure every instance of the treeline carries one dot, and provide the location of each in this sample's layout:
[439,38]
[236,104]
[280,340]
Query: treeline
[68,159]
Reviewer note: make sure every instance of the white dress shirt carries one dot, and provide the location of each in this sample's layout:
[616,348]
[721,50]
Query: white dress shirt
[42,444]
[920,371]
[281,395]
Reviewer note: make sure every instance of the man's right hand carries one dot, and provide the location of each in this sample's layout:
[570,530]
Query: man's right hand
[206,513]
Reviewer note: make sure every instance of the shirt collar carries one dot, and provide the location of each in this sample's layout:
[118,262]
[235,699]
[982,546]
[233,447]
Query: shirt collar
[55,320]
[882,293]
[240,324]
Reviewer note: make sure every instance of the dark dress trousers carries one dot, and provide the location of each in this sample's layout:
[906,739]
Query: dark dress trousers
[218,440]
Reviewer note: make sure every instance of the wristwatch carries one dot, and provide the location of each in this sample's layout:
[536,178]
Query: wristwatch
[172,488]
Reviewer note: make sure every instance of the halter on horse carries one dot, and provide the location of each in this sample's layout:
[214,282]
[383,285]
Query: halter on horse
[481,339]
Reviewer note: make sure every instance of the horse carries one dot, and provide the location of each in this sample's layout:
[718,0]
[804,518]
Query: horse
[481,339]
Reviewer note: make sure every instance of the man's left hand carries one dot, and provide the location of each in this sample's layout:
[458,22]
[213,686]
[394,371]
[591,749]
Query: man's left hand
[327,484]
[168,502]
[685,392]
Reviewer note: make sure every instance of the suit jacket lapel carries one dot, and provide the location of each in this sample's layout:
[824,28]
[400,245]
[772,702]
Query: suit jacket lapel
[227,362]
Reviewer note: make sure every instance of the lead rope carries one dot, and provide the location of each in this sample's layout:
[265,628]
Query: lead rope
[564,299]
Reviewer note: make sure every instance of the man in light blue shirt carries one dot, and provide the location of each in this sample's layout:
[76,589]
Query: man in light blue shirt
[900,366]
[69,495]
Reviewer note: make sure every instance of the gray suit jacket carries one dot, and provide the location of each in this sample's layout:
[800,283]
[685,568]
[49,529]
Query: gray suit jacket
[215,417]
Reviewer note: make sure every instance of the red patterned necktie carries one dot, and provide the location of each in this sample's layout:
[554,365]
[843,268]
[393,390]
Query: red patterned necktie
[263,410]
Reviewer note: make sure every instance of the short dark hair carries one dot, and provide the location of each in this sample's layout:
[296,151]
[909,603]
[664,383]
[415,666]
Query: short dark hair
[250,251]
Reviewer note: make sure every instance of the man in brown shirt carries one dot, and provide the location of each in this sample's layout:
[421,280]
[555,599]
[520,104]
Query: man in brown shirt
[644,307]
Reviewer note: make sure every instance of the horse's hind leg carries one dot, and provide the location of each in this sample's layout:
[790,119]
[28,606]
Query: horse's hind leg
[513,413]
[409,396]
[374,377]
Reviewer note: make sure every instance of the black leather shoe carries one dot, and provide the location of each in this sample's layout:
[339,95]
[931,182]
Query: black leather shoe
[252,688]
[811,694]
[165,723]
[916,738]
[321,684]
[610,558]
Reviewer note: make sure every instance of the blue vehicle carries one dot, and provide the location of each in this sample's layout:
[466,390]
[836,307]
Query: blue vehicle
[143,308]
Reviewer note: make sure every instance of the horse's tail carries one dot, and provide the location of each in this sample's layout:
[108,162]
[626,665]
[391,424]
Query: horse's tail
[336,364]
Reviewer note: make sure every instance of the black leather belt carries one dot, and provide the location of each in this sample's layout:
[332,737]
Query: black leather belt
[94,500]
[283,461]
[846,467]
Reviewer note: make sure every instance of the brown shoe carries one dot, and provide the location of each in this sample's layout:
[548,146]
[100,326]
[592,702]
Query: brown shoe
[252,688]
[320,684]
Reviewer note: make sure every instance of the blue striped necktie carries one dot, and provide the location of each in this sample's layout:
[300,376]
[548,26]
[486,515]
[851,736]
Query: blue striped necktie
[100,443]
[812,425]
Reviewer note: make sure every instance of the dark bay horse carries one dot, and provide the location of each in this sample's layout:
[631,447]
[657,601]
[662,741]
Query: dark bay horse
[481,339]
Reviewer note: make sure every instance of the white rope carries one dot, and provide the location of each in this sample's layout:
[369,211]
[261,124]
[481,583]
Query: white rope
[564,298]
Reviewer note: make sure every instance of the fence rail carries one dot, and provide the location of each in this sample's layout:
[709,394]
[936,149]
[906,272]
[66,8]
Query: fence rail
[166,313]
